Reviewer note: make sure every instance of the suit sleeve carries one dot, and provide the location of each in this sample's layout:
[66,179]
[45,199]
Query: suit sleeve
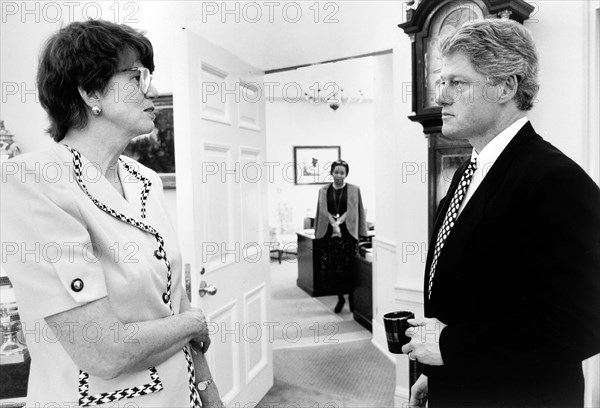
[559,303]
[47,251]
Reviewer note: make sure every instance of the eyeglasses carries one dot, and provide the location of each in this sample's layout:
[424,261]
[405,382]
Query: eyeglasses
[145,78]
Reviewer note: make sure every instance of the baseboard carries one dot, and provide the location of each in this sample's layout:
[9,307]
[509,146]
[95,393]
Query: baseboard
[401,397]
[383,350]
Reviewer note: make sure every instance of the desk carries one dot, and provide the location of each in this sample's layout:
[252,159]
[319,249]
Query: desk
[309,276]
[362,273]
[13,382]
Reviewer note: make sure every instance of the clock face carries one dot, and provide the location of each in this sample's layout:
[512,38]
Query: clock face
[447,20]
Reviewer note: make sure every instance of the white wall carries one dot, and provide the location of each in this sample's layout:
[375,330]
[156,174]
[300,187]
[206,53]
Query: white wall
[295,122]
[560,113]
[398,143]
[400,249]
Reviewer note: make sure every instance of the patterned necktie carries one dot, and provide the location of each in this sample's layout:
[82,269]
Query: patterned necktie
[451,216]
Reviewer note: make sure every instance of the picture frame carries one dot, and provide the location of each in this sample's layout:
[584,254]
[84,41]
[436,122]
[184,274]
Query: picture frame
[313,163]
[157,149]
[448,161]
[445,157]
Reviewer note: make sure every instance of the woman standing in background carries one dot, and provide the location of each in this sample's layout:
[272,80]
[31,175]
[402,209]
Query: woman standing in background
[340,222]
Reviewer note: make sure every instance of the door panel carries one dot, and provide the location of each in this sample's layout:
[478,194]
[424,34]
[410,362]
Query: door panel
[218,232]
[256,341]
[219,115]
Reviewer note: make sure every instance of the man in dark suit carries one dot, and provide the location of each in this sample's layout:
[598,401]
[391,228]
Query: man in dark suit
[512,279]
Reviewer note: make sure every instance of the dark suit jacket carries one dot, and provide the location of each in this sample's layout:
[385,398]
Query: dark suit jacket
[518,283]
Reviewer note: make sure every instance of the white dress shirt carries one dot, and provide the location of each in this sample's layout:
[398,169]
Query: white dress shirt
[488,155]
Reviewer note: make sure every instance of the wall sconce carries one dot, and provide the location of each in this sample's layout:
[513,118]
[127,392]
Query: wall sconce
[334,97]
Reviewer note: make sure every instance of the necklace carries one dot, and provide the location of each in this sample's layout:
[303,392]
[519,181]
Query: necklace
[337,202]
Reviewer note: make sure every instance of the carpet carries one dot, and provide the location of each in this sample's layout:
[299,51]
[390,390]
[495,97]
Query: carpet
[352,374]
[304,320]
[322,359]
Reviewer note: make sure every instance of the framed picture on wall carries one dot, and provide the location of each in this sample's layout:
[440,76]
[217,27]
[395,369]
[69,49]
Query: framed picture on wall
[312,163]
[157,149]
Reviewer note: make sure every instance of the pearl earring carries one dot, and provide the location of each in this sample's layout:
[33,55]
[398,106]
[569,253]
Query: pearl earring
[96,110]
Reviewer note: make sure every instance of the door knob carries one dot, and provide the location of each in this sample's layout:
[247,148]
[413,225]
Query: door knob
[205,288]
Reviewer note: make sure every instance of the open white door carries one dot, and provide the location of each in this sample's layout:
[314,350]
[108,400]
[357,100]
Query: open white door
[219,113]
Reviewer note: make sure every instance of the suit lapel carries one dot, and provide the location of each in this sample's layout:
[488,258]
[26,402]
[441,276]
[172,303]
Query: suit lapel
[441,214]
[474,211]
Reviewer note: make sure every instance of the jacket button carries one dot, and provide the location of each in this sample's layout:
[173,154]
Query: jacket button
[77,285]
[165,298]
[157,254]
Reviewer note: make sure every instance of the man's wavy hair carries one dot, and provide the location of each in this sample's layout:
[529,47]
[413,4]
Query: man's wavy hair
[83,54]
[499,48]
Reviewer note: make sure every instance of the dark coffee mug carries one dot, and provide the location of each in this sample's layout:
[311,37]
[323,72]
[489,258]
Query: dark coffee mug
[395,326]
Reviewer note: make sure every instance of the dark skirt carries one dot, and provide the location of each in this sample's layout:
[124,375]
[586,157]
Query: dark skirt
[336,256]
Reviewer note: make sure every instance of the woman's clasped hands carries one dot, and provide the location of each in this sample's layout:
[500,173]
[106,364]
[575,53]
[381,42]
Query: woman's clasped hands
[201,341]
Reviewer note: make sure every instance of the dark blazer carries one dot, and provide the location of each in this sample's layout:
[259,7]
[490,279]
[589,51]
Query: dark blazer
[518,283]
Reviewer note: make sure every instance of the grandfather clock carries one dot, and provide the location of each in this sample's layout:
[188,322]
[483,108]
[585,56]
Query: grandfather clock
[427,22]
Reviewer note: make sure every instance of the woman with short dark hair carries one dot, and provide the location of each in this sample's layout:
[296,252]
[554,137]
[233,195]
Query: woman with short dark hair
[108,301]
[340,222]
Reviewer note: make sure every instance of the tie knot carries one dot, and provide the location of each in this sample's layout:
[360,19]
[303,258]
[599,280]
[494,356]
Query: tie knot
[472,166]
[473,163]
[469,171]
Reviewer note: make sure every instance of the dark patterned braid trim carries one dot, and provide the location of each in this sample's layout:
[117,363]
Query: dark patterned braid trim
[106,397]
[161,254]
[143,179]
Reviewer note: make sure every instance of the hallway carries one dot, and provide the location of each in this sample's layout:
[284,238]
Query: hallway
[322,358]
